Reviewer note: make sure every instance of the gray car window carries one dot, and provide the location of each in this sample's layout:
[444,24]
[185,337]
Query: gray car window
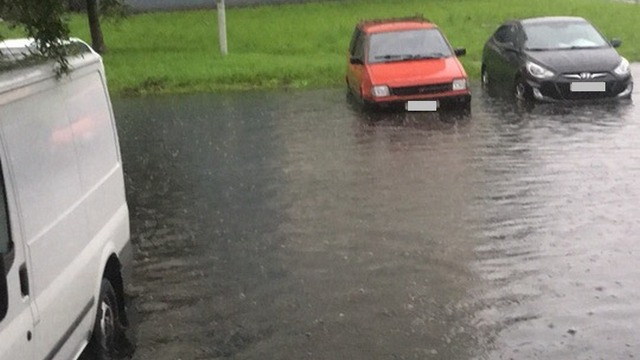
[506,34]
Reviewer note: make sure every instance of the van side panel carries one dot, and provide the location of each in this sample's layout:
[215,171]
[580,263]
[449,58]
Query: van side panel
[94,136]
[63,172]
[44,166]
[44,161]
[18,322]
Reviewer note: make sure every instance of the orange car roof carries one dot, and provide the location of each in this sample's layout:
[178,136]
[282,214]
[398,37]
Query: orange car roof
[395,24]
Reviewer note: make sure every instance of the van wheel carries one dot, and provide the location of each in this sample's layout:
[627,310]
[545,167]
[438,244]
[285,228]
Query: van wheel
[107,329]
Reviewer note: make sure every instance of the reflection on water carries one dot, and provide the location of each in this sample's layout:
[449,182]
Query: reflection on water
[555,243]
[289,225]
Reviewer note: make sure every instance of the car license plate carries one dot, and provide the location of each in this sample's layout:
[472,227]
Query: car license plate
[422,105]
[588,86]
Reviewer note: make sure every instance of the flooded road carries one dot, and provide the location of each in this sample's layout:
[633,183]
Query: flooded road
[288,225]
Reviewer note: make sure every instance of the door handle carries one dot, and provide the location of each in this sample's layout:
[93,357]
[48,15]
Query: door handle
[24,280]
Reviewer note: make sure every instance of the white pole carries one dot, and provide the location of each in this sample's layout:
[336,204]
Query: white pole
[222,27]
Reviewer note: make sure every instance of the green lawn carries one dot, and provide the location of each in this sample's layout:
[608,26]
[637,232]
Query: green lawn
[305,45]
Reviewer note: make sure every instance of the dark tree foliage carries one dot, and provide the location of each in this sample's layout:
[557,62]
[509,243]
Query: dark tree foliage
[42,20]
[45,21]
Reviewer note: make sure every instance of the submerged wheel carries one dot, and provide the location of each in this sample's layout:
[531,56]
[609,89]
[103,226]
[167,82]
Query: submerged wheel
[485,78]
[107,328]
[522,91]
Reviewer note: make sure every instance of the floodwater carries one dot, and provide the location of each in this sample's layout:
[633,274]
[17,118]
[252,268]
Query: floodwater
[289,225]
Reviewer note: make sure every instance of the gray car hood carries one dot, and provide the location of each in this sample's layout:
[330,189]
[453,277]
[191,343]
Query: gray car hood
[576,61]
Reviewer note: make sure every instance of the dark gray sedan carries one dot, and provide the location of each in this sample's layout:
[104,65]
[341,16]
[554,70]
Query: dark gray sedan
[555,58]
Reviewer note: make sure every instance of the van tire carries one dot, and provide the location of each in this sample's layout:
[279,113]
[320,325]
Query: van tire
[107,330]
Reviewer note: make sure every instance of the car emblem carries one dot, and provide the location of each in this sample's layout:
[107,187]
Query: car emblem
[585,75]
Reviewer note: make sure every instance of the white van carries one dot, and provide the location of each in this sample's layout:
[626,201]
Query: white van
[65,253]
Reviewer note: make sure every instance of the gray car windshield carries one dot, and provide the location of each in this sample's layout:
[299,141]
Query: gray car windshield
[562,35]
[407,45]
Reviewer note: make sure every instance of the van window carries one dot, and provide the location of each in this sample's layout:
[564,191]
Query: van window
[5,238]
[5,248]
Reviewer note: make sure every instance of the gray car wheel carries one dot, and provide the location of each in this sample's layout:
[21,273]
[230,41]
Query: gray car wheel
[521,90]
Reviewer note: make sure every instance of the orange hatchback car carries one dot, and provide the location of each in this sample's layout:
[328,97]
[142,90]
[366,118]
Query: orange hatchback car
[406,62]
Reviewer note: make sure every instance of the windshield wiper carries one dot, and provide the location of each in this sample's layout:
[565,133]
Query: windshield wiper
[392,57]
[539,49]
[580,47]
[564,48]
[405,57]
[437,55]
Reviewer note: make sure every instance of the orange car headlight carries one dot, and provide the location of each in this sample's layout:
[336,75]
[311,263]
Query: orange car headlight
[380,91]
[459,84]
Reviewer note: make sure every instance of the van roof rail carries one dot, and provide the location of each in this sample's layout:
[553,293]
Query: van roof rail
[15,53]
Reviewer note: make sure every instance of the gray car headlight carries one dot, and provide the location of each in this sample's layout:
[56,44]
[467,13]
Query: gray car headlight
[538,71]
[623,68]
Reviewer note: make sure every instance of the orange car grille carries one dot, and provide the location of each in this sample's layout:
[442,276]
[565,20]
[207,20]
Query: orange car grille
[421,89]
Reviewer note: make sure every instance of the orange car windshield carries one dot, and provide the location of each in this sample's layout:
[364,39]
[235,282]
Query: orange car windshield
[407,45]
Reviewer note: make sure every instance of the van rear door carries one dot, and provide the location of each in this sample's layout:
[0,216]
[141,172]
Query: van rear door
[16,319]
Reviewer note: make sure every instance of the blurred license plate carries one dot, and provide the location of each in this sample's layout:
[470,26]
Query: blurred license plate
[424,105]
[588,87]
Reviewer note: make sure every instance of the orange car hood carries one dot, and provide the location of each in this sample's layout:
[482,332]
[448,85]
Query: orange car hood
[415,72]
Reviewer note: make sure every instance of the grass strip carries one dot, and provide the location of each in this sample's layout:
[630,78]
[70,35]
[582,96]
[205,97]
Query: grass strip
[305,45]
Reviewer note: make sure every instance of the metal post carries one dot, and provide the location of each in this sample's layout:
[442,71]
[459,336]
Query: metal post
[222,27]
